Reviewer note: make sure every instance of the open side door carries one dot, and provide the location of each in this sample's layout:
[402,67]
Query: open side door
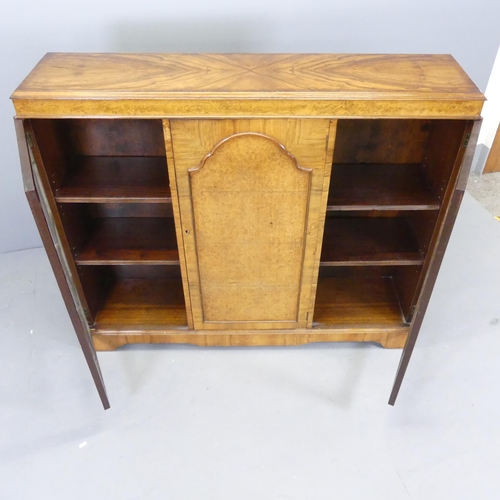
[44,209]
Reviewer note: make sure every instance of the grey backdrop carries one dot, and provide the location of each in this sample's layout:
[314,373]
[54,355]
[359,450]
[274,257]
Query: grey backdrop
[469,31]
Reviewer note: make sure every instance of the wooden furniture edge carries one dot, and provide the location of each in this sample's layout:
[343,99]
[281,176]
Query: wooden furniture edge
[330,146]
[392,338]
[36,208]
[436,260]
[246,108]
[169,149]
[186,75]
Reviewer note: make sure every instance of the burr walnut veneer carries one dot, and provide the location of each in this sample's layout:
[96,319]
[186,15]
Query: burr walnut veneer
[245,199]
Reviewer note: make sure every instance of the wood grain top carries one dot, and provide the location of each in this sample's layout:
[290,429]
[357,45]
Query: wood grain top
[313,76]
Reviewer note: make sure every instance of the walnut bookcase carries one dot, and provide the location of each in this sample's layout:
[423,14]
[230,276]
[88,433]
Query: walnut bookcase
[245,199]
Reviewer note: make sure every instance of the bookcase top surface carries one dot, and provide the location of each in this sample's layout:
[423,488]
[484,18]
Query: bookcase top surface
[272,77]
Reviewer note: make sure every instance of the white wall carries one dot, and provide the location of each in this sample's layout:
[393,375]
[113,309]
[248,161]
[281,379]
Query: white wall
[468,31]
[491,118]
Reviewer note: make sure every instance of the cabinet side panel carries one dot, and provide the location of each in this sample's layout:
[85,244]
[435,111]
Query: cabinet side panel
[50,155]
[445,138]
[442,162]
[53,146]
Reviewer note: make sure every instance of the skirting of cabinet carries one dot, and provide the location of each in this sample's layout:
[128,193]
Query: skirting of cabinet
[394,339]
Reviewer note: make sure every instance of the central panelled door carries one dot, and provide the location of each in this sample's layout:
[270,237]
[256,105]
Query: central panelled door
[250,200]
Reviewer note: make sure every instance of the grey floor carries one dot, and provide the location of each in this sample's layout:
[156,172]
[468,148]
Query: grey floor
[307,422]
[486,189]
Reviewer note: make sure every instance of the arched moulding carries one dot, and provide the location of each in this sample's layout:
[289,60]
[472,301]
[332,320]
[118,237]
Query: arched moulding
[278,144]
[250,205]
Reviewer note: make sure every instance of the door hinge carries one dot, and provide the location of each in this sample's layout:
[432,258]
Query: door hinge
[466,142]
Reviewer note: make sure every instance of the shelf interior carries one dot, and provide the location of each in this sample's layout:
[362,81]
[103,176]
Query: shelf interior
[135,304]
[380,187]
[130,240]
[120,179]
[104,160]
[110,180]
[134,297]
[355,299]
[355,241]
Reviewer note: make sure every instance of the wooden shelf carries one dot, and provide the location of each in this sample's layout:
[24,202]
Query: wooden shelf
[357,301]
[137,304]
[380,187]
[131,240]
[123,179]
[369,241]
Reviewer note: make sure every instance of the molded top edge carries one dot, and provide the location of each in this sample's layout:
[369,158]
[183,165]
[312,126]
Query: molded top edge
[81,76]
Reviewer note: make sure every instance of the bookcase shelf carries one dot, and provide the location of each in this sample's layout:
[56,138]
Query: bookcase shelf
[134,304]
[361,301]
[130,240]
[363,241]
[118,179]
[380,187]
